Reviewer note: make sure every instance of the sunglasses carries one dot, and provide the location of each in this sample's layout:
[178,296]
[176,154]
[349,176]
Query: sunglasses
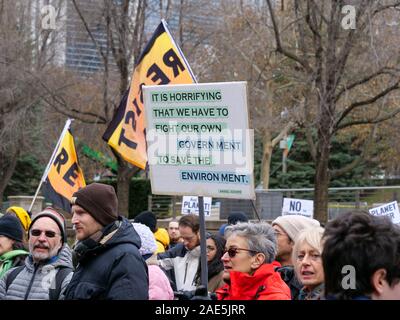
[48,234]
[232,252]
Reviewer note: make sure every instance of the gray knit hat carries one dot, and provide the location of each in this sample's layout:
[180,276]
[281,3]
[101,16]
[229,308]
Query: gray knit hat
[293,224]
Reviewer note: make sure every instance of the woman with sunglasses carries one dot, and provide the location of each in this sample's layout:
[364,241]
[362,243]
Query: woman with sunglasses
[308,263]
[248,270]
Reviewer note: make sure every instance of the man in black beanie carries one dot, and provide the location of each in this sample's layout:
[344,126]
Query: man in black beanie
[109,265]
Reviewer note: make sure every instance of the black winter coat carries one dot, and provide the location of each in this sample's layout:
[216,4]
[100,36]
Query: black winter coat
[114,270]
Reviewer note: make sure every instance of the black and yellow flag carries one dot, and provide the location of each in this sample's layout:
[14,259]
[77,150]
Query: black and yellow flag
[64,176]
[160,63]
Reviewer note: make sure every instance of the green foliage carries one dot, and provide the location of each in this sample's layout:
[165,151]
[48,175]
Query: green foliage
[301,167]
[26,177]
[99,157]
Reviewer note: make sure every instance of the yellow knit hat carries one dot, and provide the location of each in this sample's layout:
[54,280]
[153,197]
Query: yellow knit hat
[22,215]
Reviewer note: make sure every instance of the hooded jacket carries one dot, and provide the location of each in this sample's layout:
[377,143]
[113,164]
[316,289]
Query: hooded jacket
[185,264]
[159,286]
[34,281]
[12,259]
[112,268]
[264,284]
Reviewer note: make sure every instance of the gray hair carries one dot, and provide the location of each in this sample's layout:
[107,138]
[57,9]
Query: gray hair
[260,237]
[312,236]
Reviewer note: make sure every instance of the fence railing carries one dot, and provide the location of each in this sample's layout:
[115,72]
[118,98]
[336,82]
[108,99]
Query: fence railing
[269,202]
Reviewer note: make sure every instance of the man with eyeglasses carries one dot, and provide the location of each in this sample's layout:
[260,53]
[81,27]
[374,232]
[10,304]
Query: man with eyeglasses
[48,268]
[184,258]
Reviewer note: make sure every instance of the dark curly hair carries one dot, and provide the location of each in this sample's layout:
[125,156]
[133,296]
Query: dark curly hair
[367,243]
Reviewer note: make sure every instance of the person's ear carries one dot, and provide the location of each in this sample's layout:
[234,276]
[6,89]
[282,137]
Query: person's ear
[379,281]
[258,260]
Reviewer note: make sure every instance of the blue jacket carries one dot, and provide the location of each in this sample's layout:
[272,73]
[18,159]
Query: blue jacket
[113,270]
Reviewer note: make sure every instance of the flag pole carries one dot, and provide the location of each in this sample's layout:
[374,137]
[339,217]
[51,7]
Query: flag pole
[178,48]
[46,171]
[203,248]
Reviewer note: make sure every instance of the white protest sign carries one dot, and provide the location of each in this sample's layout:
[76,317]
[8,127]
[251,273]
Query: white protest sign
[390,209]
[198,139]
[191,205]
[298,207]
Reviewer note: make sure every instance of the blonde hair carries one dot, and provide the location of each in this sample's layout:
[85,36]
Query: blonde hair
[312,236]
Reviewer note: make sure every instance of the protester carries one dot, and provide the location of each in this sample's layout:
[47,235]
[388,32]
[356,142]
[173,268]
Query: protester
[48,268]
[286,230]
[361,257]
[12,249]
[159,286]
[23,216]
[149,219]
[184,257]
[248,270]
[173,232]
[308,263]
[110,265]
[233,218]
[215,250]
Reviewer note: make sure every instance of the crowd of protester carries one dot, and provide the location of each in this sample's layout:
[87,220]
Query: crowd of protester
[356,256]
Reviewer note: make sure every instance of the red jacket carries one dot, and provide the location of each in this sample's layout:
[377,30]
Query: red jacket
[264,284]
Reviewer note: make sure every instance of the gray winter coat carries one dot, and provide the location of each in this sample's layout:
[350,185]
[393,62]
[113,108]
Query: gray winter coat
[35,280]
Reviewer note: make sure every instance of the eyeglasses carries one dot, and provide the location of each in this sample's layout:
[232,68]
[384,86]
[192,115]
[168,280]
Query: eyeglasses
[232,252]
[48,233]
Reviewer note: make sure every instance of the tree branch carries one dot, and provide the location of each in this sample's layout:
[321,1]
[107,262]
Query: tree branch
[368,121]
[361,81]
[289,127]
[357,104]
[368,142]
[279,47]
[99,49]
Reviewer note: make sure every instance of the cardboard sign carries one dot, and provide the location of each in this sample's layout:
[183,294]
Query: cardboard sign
[390,209]
[298,207]
[199,142]
[190,204]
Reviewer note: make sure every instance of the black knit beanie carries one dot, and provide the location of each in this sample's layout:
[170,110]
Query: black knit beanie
[99,200]
[10,227]
[236,217]
[147,218]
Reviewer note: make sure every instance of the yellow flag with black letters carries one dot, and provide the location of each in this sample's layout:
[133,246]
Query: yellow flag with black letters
[160,63]
[65,175]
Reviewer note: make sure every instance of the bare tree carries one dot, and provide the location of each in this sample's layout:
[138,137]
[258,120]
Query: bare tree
[242,50]
[24,63]
[346,71]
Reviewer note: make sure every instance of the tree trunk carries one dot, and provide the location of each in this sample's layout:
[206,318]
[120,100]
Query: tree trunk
[322,176]
[124,176]
[7,170]
[266,158]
